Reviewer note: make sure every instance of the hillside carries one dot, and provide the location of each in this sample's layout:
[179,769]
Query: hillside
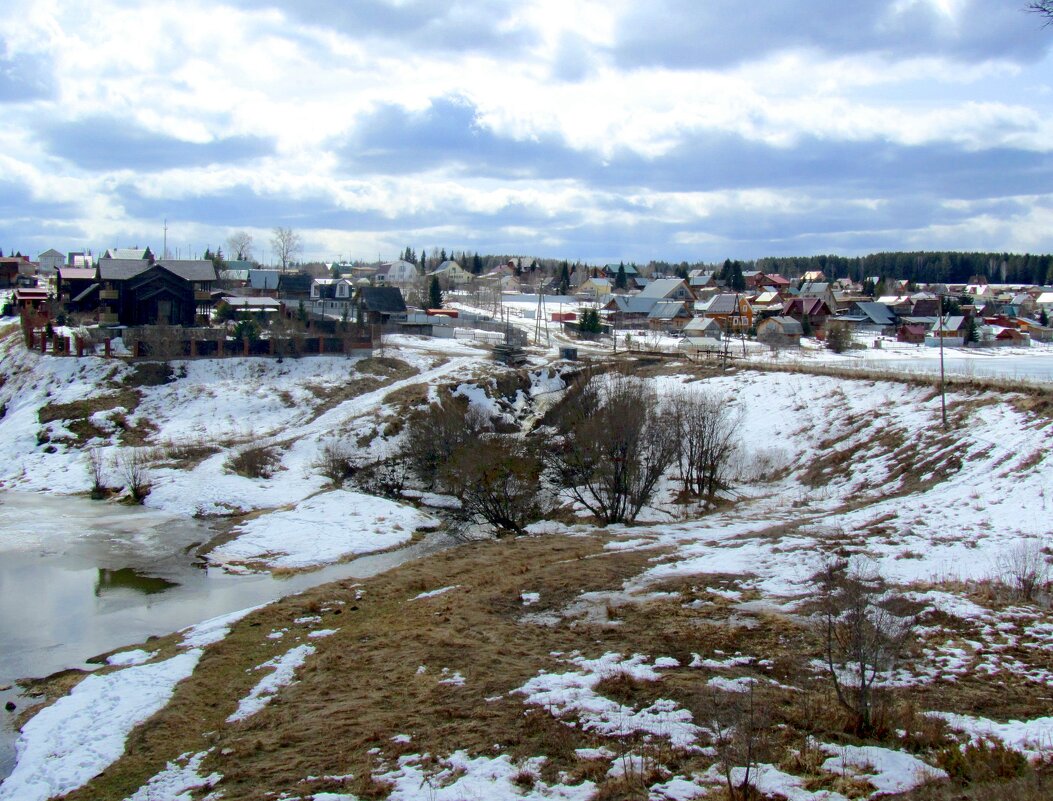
[656,660]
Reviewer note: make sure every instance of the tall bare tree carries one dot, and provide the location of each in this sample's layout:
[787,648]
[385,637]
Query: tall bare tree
[239,245]
[612,459]
[1043,7]
[286,243]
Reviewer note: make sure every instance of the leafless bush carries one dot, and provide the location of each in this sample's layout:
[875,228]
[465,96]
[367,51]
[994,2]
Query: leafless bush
[861,634]
[334,461]
[1024,569]
[705,430]
[255,461]
[738,724]
[497,480]
[97,473]
[760,464]
[839,336]
[612,459]
[132,465]
[385,479]
[433,435]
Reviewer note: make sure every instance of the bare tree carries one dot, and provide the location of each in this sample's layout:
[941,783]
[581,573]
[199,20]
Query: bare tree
[611,460]
[239,245]
[131,465]
[706,437]
[739,726]
[286,243]
[433,435]
[497,480]
[97,473]
[862,635]
[1044,8]
[1024,569]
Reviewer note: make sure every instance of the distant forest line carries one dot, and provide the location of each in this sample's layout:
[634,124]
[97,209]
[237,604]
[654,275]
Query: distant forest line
[919,267]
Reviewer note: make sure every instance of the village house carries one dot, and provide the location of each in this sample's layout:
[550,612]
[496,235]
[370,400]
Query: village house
[815,310]
[401,274]
[379,305]
[451,275]
[171,292]
[732,311]
[50,261]
[780,332]
[700,334]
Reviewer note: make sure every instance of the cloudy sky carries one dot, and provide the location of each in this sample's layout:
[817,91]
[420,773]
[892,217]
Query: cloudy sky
[599,131]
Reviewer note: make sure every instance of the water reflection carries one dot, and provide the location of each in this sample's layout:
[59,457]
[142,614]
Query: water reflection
[128,579]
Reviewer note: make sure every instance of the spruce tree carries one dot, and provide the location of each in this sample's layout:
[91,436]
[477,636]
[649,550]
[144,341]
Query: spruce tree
[434,294]
[620,279]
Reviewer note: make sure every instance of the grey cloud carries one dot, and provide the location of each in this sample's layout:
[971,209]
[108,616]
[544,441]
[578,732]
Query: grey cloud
[415,25]
[685,33]
[448,136]
[105,143]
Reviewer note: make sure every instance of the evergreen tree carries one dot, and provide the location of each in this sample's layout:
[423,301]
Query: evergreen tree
[806,326]
[423,260]
[1043,318]
[589,322]
[972,330]
[564,278]
[434,294]
[477,264]
[735,278]
[442,256]
[620,279]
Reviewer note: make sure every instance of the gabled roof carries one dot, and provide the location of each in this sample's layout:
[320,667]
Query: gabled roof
[698,324]
[233,275]
[613,268]
[251,303]
[950,323]
[122,269]
[191,269]
[666,310]
[807,306]
[125,254]
[788,325]
[632,304]
[264,279]
[878,313]
[51,252]
[382,299]
[662,287]
[724,303]
[294,282]
[76,273]
[814,288]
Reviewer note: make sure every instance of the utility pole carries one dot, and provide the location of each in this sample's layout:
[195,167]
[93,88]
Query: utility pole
[940,329]
[165,249]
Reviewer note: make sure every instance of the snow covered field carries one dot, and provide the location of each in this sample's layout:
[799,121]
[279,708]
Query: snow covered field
[858,467]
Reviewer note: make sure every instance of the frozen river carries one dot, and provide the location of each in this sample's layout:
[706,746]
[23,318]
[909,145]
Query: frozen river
[79,578]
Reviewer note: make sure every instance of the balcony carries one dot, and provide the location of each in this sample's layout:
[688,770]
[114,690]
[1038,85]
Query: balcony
[109,294]
[107,318]
[202,296]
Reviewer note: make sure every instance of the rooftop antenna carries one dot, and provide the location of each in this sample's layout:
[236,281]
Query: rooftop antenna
[166,240]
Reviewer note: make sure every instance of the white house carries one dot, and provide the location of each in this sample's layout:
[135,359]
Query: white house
[401,273]
[50,261]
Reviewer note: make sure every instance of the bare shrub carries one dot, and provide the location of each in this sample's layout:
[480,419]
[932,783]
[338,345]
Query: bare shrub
[497,480]
[1023,569]
[705,430]
[861,634]
[255,461]
[131,465]
[97,473]
[839,336]
[385,479]
[738,724]
[433,435]
[334,461]
[612,454]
